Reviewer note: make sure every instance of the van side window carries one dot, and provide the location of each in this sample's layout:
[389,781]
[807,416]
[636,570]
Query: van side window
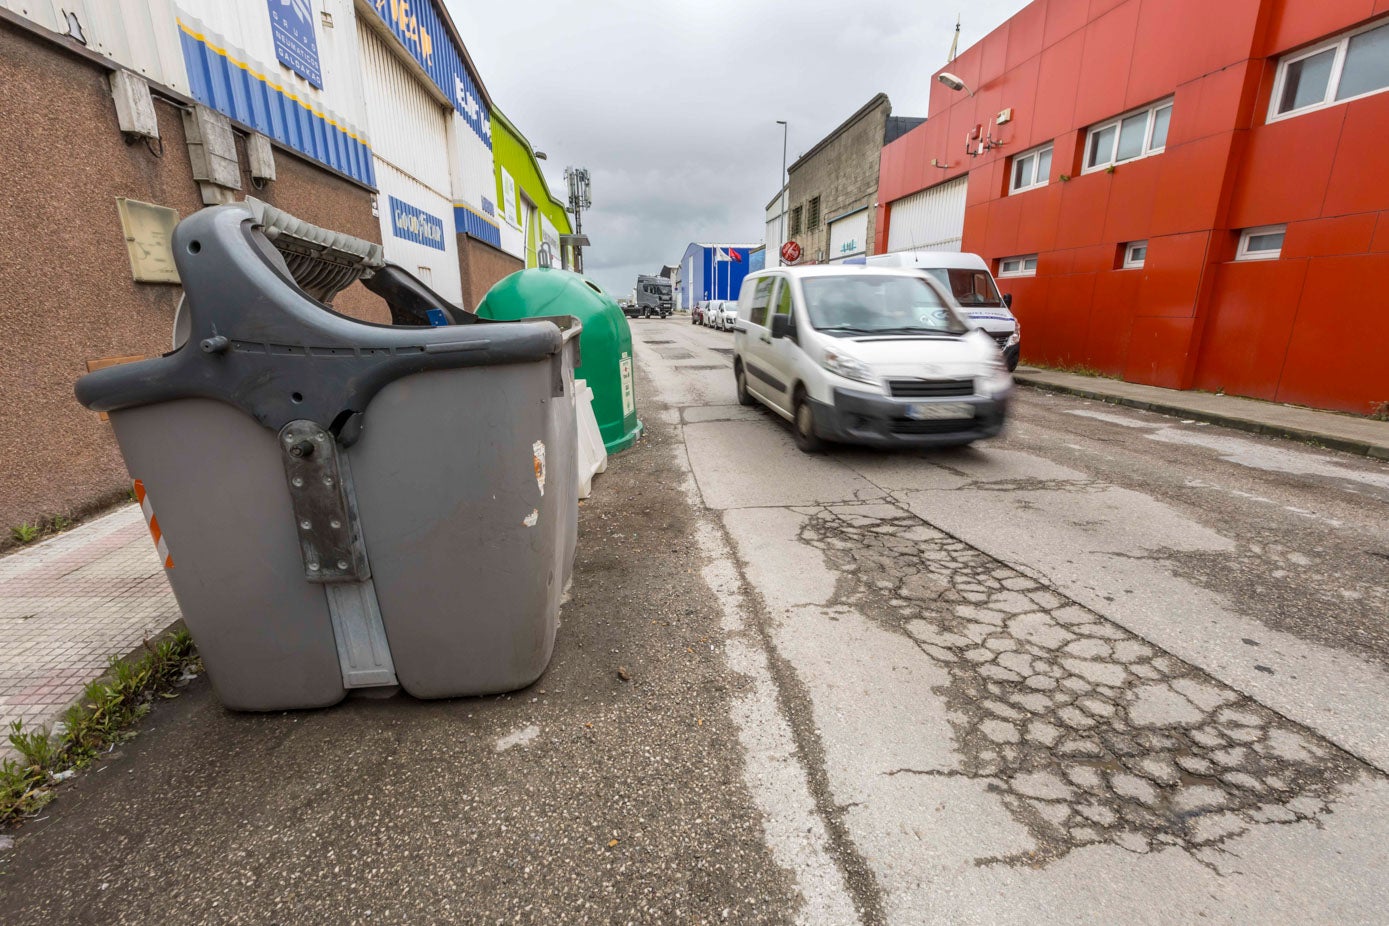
[783,298]
[760,297]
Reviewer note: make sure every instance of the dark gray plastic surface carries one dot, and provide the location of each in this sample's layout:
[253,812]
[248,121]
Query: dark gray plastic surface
[259,342]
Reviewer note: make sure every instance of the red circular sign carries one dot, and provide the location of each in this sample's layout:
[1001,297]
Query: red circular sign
[790,252]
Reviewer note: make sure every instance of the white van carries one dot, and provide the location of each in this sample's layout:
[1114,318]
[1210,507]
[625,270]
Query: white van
[967,278]
[868,355]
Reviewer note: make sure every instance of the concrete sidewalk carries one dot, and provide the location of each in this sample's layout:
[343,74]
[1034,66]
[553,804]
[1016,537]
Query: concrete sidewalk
[1330,429]
[68,605]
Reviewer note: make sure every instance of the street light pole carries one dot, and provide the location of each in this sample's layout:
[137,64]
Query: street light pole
[781,194]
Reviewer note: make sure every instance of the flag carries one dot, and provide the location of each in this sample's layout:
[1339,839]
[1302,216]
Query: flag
[738,258]
[720,256]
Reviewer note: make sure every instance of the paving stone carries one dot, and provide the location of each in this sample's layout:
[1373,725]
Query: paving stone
[1195,765]
[1040,682]
[1082,747]
[979,654]
[1043,733]
[1035,702]
[1100,673]
[1012,603]
[1205,695]
[1045,600]
[1075,718]
[1157,769]
[1289,746]
[1128,651]
[1076,684]
[1096,707]
[1000,731]
[1104,630]
[1097,813]
[1158,705]
[1198,797]
[1133,787]
[1007,712]
[1088,648]
[998,673]
[1234,715]
[1044,785]
[1085,777]
[927,632]
[1020,663]
[1040,630]
[1133,842]
[1229,757]
[1238,734]
[1143,670]
[1014,582]
[1001,644]
[1243,780]
[1073,615]
[1203,737]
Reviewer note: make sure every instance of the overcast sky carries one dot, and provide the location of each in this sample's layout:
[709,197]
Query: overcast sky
[673,105]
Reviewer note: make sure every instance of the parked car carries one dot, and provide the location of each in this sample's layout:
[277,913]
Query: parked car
[697,313]
[713,310]
[967,278]
[870,355]
[727,316]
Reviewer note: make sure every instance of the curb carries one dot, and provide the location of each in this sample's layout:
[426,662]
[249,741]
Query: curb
[1346,445]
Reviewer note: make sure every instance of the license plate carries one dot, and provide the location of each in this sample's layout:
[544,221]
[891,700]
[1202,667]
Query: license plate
[935,411]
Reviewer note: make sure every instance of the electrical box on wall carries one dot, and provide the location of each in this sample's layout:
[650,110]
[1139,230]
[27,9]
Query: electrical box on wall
[261,156]
[149,232]
[212,154]
[134,105]
[1004,116]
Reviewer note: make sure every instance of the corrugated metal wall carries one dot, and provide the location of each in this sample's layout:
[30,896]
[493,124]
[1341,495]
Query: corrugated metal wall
[135,33]
[409,127]
[932,220]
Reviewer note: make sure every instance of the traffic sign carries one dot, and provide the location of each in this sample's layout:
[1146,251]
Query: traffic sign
[790,252]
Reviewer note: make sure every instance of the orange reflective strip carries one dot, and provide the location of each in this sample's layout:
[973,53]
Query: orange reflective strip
[147,508]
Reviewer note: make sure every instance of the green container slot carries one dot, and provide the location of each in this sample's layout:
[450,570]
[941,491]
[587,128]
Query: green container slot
[605,346]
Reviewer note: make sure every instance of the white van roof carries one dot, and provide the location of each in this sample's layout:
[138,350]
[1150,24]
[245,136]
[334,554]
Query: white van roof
[947,260]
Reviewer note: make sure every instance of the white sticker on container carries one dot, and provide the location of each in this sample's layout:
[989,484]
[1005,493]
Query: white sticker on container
[538,450]
[629,398]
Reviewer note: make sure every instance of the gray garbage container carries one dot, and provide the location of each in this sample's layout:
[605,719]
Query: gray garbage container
[346,504]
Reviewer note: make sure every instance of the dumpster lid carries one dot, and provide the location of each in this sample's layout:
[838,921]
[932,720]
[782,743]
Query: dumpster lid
[258,340]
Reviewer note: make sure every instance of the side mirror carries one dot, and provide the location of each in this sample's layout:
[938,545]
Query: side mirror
[1008,300]
[781,326]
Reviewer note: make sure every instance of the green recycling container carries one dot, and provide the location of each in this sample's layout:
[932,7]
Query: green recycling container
[605,345]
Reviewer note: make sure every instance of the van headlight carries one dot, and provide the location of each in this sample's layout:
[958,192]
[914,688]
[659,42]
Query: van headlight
[1016,336]
[847,367]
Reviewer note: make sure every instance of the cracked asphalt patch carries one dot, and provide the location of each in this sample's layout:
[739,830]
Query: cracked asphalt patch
[1089,734]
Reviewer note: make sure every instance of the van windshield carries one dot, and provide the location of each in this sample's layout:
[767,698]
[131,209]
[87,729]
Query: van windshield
[971,288]
[861,304]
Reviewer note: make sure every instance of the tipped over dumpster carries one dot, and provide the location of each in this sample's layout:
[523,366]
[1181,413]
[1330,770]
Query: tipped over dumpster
[346,504]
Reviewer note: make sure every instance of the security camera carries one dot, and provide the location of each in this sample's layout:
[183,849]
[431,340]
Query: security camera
[953,82]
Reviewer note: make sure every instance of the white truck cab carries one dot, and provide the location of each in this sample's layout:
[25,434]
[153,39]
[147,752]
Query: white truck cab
[870,355]
[967,278]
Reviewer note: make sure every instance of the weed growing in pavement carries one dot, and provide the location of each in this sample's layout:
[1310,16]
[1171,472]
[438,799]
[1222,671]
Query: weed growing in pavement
[1380,412]
[1078,369]
[97,721]
[26,532]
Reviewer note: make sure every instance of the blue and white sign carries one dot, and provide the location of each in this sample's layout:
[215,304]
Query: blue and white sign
[420,28]
[296,44]
[414,224]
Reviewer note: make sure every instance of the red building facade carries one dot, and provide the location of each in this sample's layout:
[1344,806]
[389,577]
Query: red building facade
[1238,241]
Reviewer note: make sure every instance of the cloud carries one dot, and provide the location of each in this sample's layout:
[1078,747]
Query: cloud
[673,105]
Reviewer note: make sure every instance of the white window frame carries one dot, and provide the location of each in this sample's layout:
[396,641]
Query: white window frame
[1021,270]
[1342,45]
[1131,262]
[1151,109]
[1243,252]
[1036,155]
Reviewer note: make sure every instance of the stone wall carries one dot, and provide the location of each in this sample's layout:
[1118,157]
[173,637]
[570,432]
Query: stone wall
[843,171]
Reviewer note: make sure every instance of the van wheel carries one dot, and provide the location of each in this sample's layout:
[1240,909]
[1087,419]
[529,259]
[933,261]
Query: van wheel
[803,425]
[740,381]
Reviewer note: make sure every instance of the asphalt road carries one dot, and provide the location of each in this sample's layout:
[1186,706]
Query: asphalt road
[1111,668]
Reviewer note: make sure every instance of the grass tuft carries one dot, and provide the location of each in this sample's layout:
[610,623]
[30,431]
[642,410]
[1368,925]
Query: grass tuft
[99,719]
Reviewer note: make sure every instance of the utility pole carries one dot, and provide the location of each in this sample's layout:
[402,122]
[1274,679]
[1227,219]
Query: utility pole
[781,195]
[580,198]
